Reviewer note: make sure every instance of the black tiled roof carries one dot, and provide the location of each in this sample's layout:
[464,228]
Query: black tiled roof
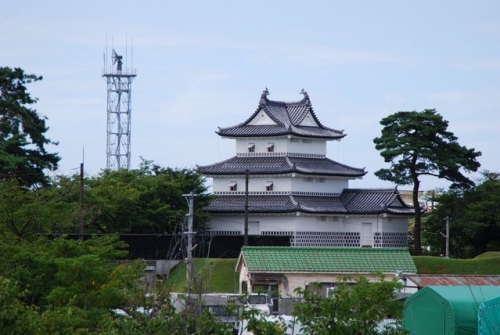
[374,201]
[281,165]
[356,201]
[256,204]
[288,116]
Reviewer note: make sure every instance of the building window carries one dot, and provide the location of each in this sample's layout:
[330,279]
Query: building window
[308,180]
[270,147]
[251,147]
[269,186]
[233,186]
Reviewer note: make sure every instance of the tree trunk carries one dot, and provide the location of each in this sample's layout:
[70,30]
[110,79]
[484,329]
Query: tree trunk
[417,236]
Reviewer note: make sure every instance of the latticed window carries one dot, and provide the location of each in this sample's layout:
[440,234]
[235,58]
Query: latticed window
[251,147]
[270,147]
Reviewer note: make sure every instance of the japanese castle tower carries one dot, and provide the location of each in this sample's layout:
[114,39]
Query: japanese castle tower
[282,180]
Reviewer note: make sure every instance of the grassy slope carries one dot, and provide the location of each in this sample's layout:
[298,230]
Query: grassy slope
[489,254]
[218,275]
[481,265]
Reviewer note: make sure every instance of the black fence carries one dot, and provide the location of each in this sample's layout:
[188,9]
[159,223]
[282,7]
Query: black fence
[160,246]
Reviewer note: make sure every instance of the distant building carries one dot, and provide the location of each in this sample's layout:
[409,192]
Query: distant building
[293,189]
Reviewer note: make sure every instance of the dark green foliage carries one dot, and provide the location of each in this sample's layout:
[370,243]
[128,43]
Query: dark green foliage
[352,309]
[474,219]
[148,200]
[16,317]
[38,210]
[23,154]
[418,144]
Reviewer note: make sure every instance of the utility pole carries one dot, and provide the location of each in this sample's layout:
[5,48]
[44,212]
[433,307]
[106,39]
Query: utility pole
[447,237]
[189,258]
[245,232]
[80,203]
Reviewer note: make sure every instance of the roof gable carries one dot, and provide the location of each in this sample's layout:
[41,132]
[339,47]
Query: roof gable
[308,121]
[326,259]
[261,118]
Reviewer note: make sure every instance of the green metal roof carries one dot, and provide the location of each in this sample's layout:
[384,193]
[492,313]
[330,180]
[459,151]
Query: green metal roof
[327,259]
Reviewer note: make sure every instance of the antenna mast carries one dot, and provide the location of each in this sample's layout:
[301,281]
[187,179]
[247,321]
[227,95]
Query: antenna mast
[119,86]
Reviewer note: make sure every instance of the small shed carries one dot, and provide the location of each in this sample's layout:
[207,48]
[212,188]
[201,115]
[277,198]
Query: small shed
[489,317]
[448,310]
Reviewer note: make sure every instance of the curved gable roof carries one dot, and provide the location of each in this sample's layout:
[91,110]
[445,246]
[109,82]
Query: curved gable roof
[281,165]
[358,202]
[375,201]
[288,117]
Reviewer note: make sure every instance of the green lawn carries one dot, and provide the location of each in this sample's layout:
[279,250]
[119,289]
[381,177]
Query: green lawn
[213,274]
[486,264]
[218,275]
[489,254]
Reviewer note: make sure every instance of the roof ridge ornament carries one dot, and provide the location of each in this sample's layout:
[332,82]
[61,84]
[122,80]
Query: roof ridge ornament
[263,97]
[306,96]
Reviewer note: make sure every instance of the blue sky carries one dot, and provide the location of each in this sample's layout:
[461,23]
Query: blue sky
[204,64]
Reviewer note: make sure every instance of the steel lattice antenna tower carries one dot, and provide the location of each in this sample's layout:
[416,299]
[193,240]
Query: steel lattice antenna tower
[119,84]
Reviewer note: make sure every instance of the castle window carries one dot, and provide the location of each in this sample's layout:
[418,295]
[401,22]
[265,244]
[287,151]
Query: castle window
[251,147]
[233,186]
[270,147]
[308,180]
[269,186]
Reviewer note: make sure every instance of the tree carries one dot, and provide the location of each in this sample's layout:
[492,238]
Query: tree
[23,154]
[64,286]
[37,210]
[419,144]
[474,217]
[147,200]
[16,317]
[352,309]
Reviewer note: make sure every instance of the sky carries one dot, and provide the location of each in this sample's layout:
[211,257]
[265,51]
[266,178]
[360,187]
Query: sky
[204,64]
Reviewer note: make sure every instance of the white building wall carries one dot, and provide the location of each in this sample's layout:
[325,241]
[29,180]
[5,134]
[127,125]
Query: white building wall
[318,184]
[308,146]
[302,280]
[327,230]
[282,184]
[261,145]
[325,223]
[281,145]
